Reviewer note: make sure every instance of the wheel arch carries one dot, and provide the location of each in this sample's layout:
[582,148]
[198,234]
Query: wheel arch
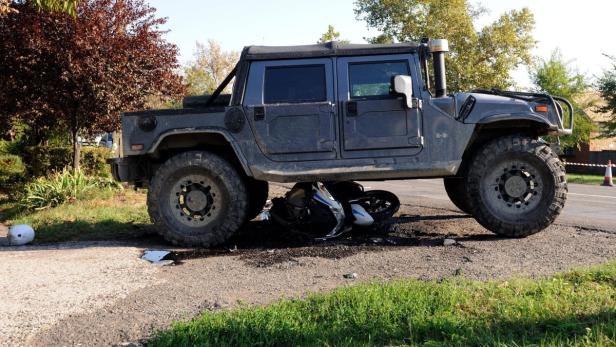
[494,127]
[175,141]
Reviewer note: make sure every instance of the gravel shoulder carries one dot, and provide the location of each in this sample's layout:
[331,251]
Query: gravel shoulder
[103,294]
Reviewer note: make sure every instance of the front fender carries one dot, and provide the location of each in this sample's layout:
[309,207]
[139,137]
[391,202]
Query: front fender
[517,117]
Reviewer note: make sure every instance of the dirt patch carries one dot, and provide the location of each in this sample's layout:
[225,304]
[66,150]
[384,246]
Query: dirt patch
[259,267]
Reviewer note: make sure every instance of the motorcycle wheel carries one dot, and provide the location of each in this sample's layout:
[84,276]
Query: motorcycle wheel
[381,204]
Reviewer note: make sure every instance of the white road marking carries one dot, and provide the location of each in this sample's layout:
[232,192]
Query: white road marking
[594,196]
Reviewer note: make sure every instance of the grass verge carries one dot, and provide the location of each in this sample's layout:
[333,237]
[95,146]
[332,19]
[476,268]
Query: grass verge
[572,309]
[105,215]
[585,179]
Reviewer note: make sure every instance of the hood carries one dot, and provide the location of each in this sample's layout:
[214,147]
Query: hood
[487,108]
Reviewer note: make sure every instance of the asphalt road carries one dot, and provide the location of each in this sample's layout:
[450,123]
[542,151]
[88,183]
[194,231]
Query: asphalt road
[587,206]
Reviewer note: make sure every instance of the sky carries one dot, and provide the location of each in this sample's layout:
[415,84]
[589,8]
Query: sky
[582,30]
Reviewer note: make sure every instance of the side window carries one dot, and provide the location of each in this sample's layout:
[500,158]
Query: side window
[373,80]
[292,84]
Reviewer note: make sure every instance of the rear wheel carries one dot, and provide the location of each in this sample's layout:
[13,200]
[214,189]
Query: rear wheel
[197,199]
[517,186]
[456,190]
[258,191]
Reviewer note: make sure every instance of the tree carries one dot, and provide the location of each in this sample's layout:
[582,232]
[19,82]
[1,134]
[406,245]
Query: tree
[555,76]
[607,88]
[67,6]
[209,69]
[478,58]
[331,35]
[76,74]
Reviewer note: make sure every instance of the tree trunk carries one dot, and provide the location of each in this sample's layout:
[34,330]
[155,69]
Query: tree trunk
[76,149]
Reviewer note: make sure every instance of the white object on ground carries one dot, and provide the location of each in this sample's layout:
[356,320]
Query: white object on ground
[20,235]
[154,256]
[449,242]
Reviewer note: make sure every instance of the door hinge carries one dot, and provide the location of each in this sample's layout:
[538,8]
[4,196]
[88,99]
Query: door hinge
[259,113]
[416,103]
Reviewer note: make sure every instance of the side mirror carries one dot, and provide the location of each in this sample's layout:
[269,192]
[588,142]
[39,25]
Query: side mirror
[404,85]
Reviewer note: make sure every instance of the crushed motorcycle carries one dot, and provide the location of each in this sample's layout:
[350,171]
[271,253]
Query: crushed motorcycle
[326,210]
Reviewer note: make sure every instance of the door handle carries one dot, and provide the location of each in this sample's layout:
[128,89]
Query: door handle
[259,113]
[351,108]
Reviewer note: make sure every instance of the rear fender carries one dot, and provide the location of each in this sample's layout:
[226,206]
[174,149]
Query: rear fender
[193,138]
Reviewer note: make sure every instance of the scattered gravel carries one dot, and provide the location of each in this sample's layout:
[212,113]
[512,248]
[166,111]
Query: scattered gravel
[43,285]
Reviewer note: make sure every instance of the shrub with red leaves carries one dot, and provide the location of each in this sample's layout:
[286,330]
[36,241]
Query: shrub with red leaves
[76,74]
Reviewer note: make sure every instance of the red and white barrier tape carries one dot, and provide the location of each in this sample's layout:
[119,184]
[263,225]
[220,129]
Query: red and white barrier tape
[592,165]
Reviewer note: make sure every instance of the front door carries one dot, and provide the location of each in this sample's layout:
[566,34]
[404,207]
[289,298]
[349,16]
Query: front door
[291,107]
[375,121]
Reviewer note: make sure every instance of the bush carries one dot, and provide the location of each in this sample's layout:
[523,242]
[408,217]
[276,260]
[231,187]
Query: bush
[45,160]
[61,187]
[94,161]
[12,171]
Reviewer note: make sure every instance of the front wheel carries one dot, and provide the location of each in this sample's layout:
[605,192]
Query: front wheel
[517,186]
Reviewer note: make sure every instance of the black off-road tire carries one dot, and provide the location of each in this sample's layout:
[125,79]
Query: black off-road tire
[457,193]
[517,186]
[220,190]
[258,192]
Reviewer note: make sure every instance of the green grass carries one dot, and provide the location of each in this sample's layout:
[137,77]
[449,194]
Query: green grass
[573,309]
[585,179]
[105,215]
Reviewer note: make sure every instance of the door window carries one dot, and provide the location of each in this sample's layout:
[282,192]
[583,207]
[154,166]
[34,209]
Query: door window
[294,84]
[373,80]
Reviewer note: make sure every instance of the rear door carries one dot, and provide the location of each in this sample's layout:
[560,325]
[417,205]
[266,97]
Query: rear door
[375,122]
[291,107]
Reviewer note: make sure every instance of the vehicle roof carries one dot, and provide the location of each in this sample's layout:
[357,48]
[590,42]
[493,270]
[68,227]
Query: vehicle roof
[328,49]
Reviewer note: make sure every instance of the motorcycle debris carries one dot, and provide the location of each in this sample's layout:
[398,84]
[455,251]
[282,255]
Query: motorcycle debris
[449,242]
[164,263]
[263,216]
[391,242]
[350,276]
[157,257]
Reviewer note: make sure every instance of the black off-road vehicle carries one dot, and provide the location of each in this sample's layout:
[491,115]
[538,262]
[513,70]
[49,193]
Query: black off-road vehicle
[334,112]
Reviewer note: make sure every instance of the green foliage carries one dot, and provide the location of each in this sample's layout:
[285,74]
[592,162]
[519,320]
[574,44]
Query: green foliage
[209,69]
[198,81]
[105,215]
[556,77]
[478,59]
[12,168]
[576,309]
[94,161]
[585,179]
[61,187]
[44,160]
[12,171]
[66,6]
[607,88]
[331,35]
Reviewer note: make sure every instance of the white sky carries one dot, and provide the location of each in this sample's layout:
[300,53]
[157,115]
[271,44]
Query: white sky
[583,30]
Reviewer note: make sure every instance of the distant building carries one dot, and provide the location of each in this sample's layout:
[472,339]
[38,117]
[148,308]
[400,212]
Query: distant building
[598,150]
